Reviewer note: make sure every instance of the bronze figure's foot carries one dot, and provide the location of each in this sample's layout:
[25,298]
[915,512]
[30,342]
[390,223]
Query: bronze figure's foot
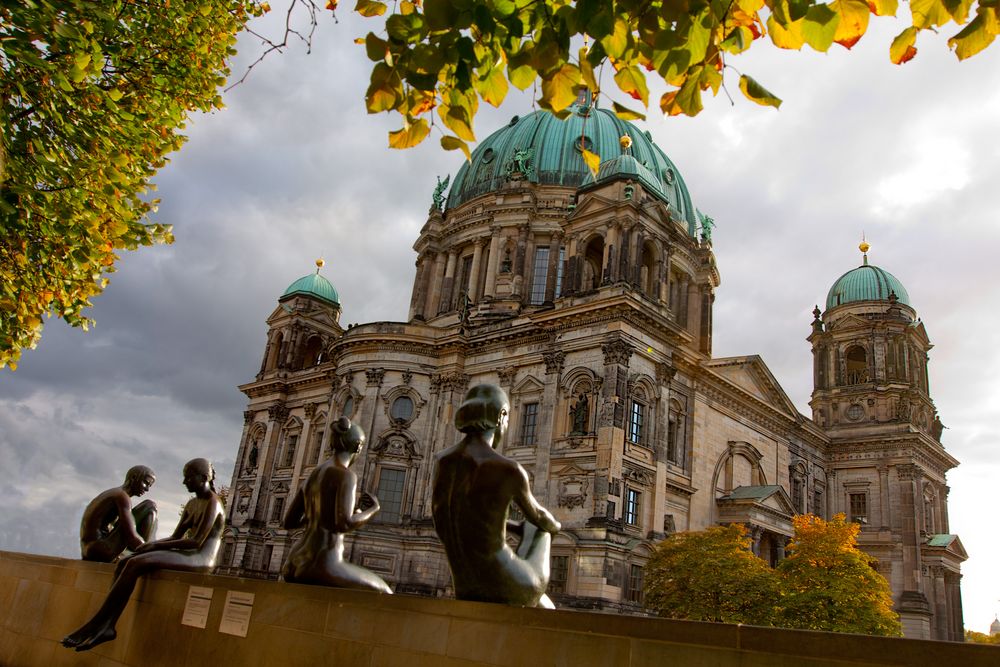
[106,634]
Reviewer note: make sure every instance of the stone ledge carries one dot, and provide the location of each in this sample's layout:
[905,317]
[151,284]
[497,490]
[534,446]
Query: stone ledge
[43,598]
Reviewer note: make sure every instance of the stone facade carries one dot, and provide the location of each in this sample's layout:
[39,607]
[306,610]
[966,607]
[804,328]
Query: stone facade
[592,307]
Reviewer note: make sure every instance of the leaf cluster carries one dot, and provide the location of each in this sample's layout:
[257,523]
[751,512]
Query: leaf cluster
[92,96]
[825,582]
[444,56]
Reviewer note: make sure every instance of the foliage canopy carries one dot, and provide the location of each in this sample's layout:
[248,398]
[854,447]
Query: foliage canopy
[825,583]
[710,575]
[449,54]
[829,584]
[91,97]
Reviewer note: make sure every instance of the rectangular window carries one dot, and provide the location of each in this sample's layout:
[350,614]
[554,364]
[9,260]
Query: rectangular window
[540,275]
[611,509]
[635,422]
[559,573]
[634,591]
[632,499]
[529,421]
[672,440]
[278,509]
[818,508]
[859,508]
[559,270]
[390,495]
[463,285]
[291,442]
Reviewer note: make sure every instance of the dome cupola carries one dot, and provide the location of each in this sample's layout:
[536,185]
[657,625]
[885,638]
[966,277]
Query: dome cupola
[546,150]
[315,286]
[866,283]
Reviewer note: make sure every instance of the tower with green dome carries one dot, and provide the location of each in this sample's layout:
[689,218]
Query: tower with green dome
[886,462]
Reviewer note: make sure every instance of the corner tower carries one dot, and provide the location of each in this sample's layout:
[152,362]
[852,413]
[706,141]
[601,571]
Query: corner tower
[872,397]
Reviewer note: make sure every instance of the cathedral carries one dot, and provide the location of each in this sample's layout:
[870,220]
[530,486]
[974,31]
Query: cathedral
[589,299]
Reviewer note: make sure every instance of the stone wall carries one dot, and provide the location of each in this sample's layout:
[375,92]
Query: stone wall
[44,598]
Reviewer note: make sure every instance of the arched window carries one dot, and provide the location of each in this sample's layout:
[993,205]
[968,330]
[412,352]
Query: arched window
[593,264]
[402,409]
[311,351]
[675,433]
[856,365]
[348,409]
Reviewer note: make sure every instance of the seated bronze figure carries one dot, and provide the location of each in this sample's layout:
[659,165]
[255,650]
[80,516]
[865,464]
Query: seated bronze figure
[473,488]
[325,506]
[193,546]
[110,524]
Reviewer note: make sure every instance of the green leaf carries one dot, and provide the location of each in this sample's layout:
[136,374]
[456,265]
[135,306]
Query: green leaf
[411,134]
[370,8]
[440,14]
[559,88]
[625,113]
[522,77]
[819,27]
[973,38]
[616,42]
[632,82]
[901,50]
[757,93]
[686,100]
[450,143]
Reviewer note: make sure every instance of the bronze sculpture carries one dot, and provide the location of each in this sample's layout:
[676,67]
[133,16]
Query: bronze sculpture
[325,506]
[473,488]
[193,546]
[110,524]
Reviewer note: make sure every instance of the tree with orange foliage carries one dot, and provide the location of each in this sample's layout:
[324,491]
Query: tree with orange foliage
[829,584]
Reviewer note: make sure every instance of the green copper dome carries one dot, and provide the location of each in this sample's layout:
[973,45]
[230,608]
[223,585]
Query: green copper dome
[866,283]
[313,285]
[547,151]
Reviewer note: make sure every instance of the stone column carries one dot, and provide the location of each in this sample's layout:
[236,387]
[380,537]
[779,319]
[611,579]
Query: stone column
[305,446]
[276,416]
[546,422]
[489,292]
[883,505]
[477,258]
[419,296]
[434,293]
[682,294]
[611,245]
[694,308]
[520,259]
[447,285]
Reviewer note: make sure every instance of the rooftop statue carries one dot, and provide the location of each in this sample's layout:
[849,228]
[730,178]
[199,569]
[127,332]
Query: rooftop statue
[473,488]
[193,547]
[325,506]
[110,524]
[439,192]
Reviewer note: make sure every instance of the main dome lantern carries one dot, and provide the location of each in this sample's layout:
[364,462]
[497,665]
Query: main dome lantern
[547,151]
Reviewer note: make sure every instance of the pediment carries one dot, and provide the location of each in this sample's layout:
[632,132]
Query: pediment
[949,543]
[569,470]
[592,203]
[849,321]
[752,375]
[528,385]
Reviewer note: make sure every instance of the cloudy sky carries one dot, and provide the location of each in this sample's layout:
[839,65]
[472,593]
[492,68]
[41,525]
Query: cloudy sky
[294,169]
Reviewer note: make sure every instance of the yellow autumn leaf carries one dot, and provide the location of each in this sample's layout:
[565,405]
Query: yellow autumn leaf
[410,135]
[593,161]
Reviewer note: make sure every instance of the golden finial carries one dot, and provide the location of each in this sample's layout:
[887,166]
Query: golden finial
[626,142]
[863,247]
[319,264]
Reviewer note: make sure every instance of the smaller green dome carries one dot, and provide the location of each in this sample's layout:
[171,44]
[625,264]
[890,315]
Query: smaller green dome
[626,166]
[313,285]
[866,283]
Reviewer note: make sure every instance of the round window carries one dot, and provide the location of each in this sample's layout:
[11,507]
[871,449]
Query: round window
[668,175]
[402,408]
[855,412]
[488,156]
[584,143]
